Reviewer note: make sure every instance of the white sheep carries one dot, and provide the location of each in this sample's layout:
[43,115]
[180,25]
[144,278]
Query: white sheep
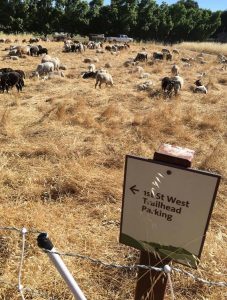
[178,79]
[145,75]
[145,86]
[137,69]
[54,74]
[200,88]
[91,68]
[103,77]
[178,83]
[44,69]
[14,57]
[175,70]
[54,60]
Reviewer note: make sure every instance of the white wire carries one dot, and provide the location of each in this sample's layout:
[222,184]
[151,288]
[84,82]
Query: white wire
[24,231]
[20,286]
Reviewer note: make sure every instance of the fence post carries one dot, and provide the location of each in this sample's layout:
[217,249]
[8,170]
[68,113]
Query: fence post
[45,243]
[151,285]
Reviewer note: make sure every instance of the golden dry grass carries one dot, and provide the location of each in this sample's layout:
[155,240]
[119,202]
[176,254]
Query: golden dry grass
[63,145]
[206,47]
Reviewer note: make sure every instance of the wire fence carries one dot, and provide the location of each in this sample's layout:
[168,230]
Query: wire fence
[168,270]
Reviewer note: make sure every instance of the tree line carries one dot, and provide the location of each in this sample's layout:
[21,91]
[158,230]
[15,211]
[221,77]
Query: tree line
[141,19]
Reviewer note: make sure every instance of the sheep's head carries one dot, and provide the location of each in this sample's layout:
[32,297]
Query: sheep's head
[198,82]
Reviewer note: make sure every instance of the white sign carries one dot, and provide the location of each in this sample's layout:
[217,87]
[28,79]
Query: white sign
[166,208]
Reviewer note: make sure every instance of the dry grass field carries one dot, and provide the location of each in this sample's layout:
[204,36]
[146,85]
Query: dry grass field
[63,146]
[207,47]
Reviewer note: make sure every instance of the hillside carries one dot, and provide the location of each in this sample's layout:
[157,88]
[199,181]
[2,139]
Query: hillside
[63,146]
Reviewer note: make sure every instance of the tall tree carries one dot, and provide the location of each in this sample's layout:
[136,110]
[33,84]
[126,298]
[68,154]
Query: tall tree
[147,21]
[165,23]
[76,16]
[95,7]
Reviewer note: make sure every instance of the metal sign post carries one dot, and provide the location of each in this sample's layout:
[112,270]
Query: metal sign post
[166,210]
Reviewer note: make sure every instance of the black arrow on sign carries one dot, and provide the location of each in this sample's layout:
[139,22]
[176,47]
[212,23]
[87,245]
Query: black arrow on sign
[133,189]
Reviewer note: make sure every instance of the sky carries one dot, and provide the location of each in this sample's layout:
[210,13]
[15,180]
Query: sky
[213,5]
[208,4]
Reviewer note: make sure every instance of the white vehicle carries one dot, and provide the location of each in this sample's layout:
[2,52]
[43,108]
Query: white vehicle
[120,38]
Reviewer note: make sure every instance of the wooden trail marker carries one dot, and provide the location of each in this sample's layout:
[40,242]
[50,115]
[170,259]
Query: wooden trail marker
[166,209]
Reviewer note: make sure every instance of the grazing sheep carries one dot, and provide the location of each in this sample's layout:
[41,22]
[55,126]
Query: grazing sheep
[81,48]
[45,58]
[175,51]
[145,86]
[10,79]
[141,56]
[6,70]
[186,59]
[168,56]
[165,50]
[158,55]
[108,48]
[145,75]
[33,40]
[178,79]
[62,67]
[103,77]
[23,50]
[100,51]
[137,69]
[21,72]
[130,62]
[14,57]
[54,74]
[186,65]
[42,51]
[175,70]
[13,52]
[200,88]
[170,85]
[86,75]
[34,50]
[54,60]
[108,65]
[91,68]
[91,60]
[44,69]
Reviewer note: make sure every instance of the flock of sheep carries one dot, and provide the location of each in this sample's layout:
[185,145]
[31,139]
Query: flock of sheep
[169,85]
[51,67]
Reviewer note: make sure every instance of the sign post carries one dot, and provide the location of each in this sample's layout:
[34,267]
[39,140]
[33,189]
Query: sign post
[165,213]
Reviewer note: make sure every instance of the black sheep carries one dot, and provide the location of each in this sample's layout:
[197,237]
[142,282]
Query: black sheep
[10,79]
[6,70]
[141,56]
[89,75]
[42,51]
[22,74]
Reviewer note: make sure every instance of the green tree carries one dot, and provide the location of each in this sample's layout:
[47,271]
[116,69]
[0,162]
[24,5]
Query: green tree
[165,23]
[148,20]
[95,8]
[76,16]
